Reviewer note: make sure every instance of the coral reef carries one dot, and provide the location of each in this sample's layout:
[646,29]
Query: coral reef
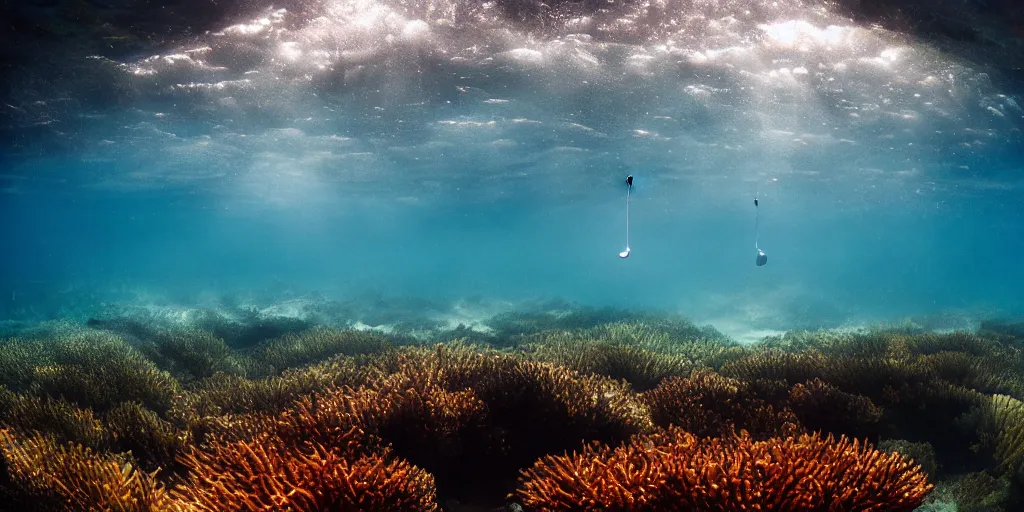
[973,492]
[511,327]
[1005,426]
[641,353]
[276,355]
[89,369]
[154,442]
[921,453]
[192,353]
[586,410]
[708,404]
[262,475]
[248,327]
[676,471]
[43,474]
[1006,332]
[464,416]
[56,417]
[825,408]
[642,368]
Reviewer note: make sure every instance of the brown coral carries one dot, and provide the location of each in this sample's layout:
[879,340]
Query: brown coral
[439,430]
[154,442]
[921,453]
[223,401]
[1004,423]
[823,407]
[191,353]
[675,471]
[463,415]
[538,395]
[89,369]
[642,368]
[296,349]
[987,374]
[777,365]
[46,475]
[708,404]
[53,416]
[424,423]
[261,474]
[100,371]
[977,492]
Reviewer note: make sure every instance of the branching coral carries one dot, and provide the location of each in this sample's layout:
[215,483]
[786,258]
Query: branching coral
[642,368]
[305,399]
[987,374]
[408,413]
[680,347]
[921,453]
[263,475]
[701,347]
[906,386]
[297,349]
[599,323]
[708,404]
[976,492]
[792,368]
[52,416]
[1003,332]
[804,340]
[888,362]
[193,353]
[18,357]
[876,342]
[676,471]
[225,394]
[98,370]
[543,408]
[250,328]
[45,475]
[962,342]
[823,407]
[272,432]
[421,421]
[1005,429]
[234,395]
[463,415]
[155,443]
[873,344]
[431,427]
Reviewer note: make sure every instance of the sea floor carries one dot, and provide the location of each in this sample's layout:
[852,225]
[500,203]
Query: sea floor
[311,404]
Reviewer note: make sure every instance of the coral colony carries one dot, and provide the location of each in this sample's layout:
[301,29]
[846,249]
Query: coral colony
[590,410]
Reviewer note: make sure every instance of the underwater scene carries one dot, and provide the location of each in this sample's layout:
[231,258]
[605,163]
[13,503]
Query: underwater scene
[512,255]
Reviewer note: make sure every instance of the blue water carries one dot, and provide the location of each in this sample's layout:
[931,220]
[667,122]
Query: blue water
[369,153]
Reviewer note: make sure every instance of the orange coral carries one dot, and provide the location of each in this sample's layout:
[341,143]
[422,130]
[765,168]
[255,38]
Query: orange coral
[407,413]
[263,475]
[708,404]
[46,475]
[675,471]
[534,409]
[401,410]
[462,415]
